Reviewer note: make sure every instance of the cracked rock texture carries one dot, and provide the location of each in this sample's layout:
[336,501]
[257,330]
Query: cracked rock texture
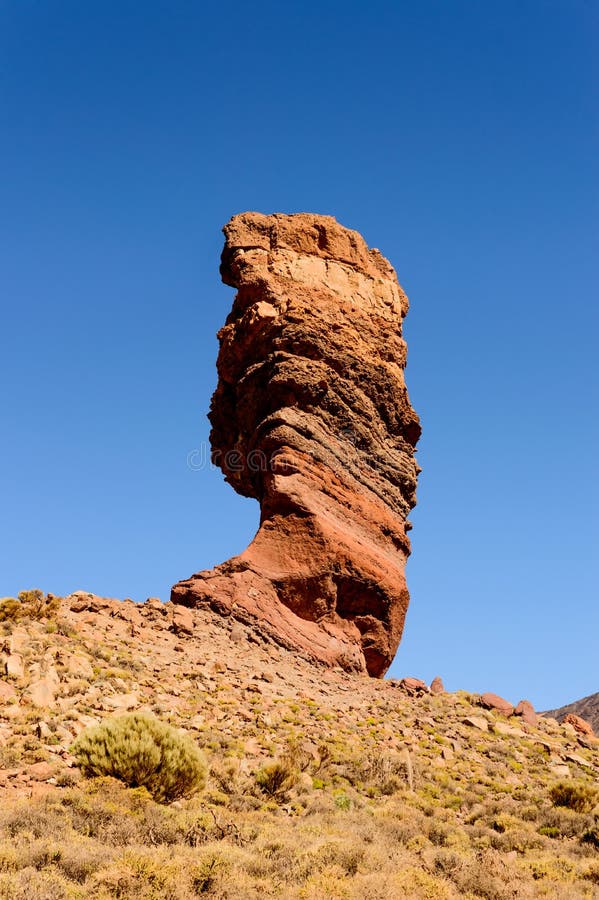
[311,417]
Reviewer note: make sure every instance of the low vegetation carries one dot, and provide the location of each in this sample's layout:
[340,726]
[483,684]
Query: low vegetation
[32,604]
[578,796]
[299,783]
[141,751]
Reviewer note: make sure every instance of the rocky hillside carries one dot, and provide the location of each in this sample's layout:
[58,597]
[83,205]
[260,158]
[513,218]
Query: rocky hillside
[587,708]
[322,783]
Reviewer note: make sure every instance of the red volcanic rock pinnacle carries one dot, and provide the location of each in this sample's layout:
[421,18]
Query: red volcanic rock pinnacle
[311,416]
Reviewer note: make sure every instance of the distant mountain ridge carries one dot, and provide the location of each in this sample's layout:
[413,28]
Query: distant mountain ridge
[587,708]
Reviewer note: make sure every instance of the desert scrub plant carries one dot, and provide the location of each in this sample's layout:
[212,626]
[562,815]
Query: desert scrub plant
[29,605]
[591,836]
[277,778]
[574,795]
[141,751]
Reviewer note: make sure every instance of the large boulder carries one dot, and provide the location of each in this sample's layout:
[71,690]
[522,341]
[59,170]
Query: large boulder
[526,711]
[437,686]
[580,725]
[311,416]
[497,703]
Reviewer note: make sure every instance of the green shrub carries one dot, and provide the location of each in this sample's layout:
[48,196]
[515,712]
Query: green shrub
[591,837]
[30,605]
[141,751]
[574,795]
[276,778]
[551,831]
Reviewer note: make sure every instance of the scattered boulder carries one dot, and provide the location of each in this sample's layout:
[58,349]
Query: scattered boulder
[80,666]
[581,726]
[14,667]
[18,640]
[41,771]
[43,731]
[154,605]
[237,633]
[437,686]
[506,730]
[476,722]
[42,693]
[183,620]
[414,687]
[85,721]
[577,759]
[79,601]
[120,701]
[497,704]
[7,692]
[526,711]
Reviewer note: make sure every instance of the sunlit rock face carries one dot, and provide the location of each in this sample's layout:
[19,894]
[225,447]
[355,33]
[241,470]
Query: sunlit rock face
[311,416]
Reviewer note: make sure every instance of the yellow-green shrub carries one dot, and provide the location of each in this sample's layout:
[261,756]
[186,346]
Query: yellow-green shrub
[574,795]
[276,778]
[29,605]
[142,752]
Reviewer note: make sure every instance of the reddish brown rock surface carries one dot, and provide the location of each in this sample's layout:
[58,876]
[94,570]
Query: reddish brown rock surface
[437,686]
[579,724]
[311,416]
[497,703]
[415,687]
[587,708]
[526,711]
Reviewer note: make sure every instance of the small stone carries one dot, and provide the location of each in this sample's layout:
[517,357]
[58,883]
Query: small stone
[120,701]
[41,693]
[560,771]
[52,675]
[43,731]
[477,722]
[86,721]
[196,722]
[506,730]
[577,759]
[41,771]
[183,620]
[80,666]
[18,640]
[14,666]
[236,634]
[7,692]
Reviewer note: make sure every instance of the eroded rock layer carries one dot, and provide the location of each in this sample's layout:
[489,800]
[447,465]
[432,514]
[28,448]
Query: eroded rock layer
[311,416]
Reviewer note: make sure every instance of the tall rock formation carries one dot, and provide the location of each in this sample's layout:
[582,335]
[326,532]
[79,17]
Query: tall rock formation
[311,416]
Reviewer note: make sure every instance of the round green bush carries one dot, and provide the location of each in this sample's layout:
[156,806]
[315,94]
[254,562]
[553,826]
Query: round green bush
[143,752]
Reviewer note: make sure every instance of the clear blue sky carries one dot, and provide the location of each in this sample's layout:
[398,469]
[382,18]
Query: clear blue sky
[461,139]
